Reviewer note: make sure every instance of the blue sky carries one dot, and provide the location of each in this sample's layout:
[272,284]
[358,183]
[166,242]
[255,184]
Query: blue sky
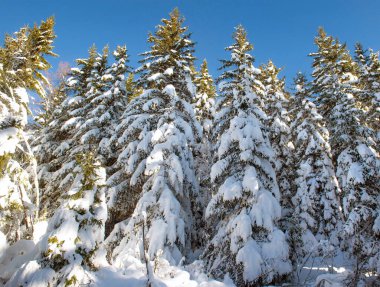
[280,30]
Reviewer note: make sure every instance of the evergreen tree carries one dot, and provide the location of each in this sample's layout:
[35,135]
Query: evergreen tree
[244,210]
[17,196]
[354,151]
[315,190]
[50,102]
[205,98]
[132,89]
[83,122]
[374,85]
[156,136]
[55,141]
[368,93]
[276,107]
[361,56]
[25,53]
[72,244]
[22,58]
[204,104]
[55,95]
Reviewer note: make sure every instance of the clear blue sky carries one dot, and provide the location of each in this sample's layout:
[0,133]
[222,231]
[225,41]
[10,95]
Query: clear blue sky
[281,30]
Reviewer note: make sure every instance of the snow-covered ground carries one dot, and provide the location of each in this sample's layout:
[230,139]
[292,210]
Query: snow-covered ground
[314,272]
[134,275]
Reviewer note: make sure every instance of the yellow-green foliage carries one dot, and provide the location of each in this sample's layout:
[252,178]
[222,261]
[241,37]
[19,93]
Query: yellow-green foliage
[87,256]
[170,40]
[132,90]
[15,206]
[54,240]
[56,261]
[4,159]
[204,82]
[25,53]
[86,161]
[72,281]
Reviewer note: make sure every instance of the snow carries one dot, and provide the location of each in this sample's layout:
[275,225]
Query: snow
[22,94]
[165,276]
[8,140]
[219,167]
[15,256]
[169,71]
[155,77]
[265,211]
[31,275]
[231,189]
[40,229]
[3,244]
[240,229]
[332,280]
[251,259]
[170,90]
[250,180]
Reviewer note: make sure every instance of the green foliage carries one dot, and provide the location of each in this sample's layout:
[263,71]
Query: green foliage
[71,281]
[25,54]
[269,76]
[4,160]
[171,44]
[87,256]
[54,240]
[132,89]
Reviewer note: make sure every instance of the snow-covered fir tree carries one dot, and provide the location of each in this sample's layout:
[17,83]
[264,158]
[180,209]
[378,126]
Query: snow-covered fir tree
[16,190]
[130,178]
[204,105]
[72,245]
[276,107]
[205,98]
[133,90]
[316,215]
[156,136]
[369,87]
[110,103]
[355,153]
[22,59]
[244,210]
[55,141]
[55,95]
[84,122]
[51,101]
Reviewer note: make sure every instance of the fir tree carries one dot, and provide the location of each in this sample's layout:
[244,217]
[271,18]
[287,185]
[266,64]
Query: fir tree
[114,100]
[83,122]
[156,136]
[53,146]
[204,104]
[205,98]
[315,202]
[55,95]
[51,101]
[368,93]
[244,210]
[361,56]
[72,244]
[22,59]
[132,89]
[25,55]
[276,106]
[354,151]
[374,84]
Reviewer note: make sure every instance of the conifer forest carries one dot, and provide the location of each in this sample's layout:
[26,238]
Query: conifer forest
[163,175]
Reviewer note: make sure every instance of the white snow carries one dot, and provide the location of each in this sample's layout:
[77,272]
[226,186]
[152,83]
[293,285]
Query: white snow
[8,140]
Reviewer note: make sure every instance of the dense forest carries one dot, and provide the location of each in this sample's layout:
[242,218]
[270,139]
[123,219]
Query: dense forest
[162,175]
